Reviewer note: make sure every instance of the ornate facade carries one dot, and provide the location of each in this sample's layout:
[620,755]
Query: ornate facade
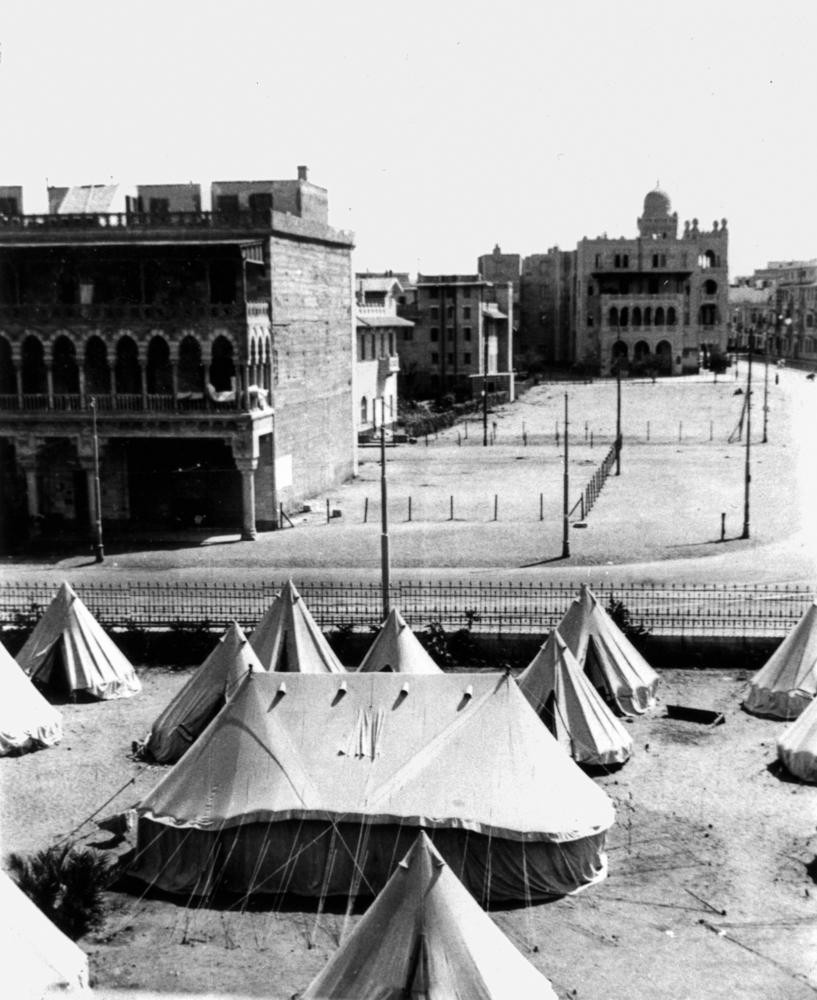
[215,348]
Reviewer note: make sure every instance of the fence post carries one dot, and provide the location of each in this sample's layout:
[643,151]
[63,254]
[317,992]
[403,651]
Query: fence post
[365,510]
[281,515]
[466,430]
[541,506]
[585,430]
[723,527]
[496,507]
[582,507]
[711,428]
[680,429]
[451,508]
[409,508]
[327,510]
[426,440]
[648,430]
[459,438]
[591,439]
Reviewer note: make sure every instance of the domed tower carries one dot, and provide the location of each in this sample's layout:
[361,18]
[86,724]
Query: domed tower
[657,222]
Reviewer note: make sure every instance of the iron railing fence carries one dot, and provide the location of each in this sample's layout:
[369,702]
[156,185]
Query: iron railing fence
[491,607]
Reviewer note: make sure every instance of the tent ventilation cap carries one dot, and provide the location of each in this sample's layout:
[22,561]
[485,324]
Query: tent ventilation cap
[469,691]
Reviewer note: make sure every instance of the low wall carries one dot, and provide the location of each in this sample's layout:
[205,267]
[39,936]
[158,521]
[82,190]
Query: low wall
[189,647]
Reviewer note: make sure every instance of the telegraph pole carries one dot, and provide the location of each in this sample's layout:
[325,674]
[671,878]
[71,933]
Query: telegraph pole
[385,571]
[565,501]
[99,552]
[618,419]
[765,385]
[485,390]
[747,478]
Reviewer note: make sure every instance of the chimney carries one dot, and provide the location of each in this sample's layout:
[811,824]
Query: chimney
[302,171]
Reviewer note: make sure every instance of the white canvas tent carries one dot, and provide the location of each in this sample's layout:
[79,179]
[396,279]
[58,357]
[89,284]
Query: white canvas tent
[398,649]
[574,712]
[205,693]
[425,936]
[316,784]
[70,651]
[38,959]
[607,656]
[288,639]
[27,721]
[787,683]
[797,745]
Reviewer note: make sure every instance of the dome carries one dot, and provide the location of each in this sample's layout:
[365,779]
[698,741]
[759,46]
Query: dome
[656,204]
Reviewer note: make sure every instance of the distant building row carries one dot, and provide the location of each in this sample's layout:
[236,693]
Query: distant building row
[776,310]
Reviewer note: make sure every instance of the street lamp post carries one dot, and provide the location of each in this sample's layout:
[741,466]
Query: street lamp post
[565,501]
[385,567]
[99,552]
[618,420]
[747,478]
[765,384]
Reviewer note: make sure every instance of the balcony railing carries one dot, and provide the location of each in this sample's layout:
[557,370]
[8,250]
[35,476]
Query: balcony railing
[388,366]
[123,311]
[259,221]
[120,403]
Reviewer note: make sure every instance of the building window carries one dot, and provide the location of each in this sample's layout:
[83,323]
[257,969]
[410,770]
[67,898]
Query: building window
[449,332]
[435,335]
[364,410]
[466,312]
[598,260]
[449,359]
[434,293]
[589,290]
[408,334]
[466,292]
[392,346]
[449,312]
[435,358]
[625,260]
[589,320]
[159,208]
[361,348]
[466,333]
[449,293]
[466,359]
[435,312]
[617,260]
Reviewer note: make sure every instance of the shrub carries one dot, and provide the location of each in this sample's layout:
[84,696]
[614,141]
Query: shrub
[67,884]
[620,614]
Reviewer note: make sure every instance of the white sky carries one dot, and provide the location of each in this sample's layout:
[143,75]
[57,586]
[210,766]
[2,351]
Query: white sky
[439,128]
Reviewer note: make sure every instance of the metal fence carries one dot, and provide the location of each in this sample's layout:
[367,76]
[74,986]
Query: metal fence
[683,609]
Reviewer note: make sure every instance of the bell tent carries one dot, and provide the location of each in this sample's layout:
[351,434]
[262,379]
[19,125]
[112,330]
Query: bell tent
[315,785]
[215,681]
[574,712]
[426,936]
[797,745]
[70,652]
[38,959]
[787,683]
[288,639]
[607,656]
[398,649]
[27,721]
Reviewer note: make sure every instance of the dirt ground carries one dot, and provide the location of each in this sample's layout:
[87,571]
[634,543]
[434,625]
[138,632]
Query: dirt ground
[710,891]
[661,516]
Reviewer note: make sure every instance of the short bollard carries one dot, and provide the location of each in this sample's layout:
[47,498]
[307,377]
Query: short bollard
[451,508]
[327,511]
[723,527]
[409,508]
[496,507]
[541,506]
[365,510]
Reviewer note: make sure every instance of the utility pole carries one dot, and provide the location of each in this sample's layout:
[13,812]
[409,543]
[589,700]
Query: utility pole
[565,501]
[747,478]
[765,385]
[385,571]
[99,552]
[618,420]
[484,387]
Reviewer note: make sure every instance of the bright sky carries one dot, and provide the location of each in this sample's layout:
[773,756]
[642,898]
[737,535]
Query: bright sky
[439,128]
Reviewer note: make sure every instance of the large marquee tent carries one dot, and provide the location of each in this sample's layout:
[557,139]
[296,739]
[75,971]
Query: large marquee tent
[426,936]
[27,721]
[398,649]
[317,784]
[787,683]
[562,696]
[70,652]
[202,696]
[38,959]
[607,656]
[288,639]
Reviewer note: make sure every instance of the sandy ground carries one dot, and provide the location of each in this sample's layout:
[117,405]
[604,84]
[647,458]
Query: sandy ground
[659,520]
[700,816]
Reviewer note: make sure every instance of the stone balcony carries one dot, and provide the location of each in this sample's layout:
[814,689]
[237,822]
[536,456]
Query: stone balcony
[388,365]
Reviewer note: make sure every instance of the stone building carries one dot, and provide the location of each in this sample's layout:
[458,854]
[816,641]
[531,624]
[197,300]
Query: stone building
[379,334]
[462,341]
[658,299]
[752,314]
[546,309]
[216,345]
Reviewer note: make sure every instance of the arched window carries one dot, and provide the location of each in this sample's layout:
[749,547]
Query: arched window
[707,314]
[33,367]
[364,410]
[647,316]
[97,370]
[624,316]
[710,287]
[641,350]
[659,316]
[64,368]
[663,353]
[189,372]
[159,373]
[706,260]
[672,319]
[613,316]
[126,369]
[619,351]
[222,368]
[636,316]
[8,383]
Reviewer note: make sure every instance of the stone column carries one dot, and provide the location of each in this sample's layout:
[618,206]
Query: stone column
[143,378]
[81,373]
[49,377]
[27,460]
[174,374]
[247,467]
[112,380]
[18,375]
